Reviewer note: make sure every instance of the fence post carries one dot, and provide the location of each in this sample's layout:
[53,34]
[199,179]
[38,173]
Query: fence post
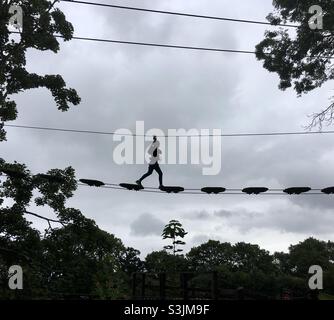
[184,285]
[214,285]
[241,293]
[162,282]
[134,285]
[314,294]
[143,285]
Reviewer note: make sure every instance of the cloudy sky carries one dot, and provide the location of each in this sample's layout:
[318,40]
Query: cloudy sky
[171,89]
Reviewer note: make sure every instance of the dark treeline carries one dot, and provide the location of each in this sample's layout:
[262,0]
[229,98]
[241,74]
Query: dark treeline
[82,260]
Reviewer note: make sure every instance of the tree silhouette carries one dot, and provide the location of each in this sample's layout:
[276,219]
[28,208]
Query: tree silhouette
[174,230]
[41,21]
[303,61]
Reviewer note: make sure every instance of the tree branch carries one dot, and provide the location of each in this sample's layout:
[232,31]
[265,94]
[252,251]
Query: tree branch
[44,218]
[326,117]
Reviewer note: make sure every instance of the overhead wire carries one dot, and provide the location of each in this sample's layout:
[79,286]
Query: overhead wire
[156,190]
[193,191]
[286,133]
[171,46]
[175,13]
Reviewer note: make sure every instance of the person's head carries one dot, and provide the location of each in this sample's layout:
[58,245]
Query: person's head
[154,138]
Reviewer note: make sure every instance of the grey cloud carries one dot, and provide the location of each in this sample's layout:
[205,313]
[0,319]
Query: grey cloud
[287,218]
[147,225]
[199,239]
[223,213]
[198,215]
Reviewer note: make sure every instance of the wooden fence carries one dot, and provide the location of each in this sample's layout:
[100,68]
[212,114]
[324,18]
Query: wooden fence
[182,286]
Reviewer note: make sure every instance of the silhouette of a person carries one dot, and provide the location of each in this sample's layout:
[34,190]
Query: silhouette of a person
[154,152]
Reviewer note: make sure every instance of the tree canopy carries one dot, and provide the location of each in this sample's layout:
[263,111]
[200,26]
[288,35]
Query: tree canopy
[41,23]
[302,57]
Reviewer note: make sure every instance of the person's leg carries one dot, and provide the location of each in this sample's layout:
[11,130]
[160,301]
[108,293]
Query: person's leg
[158,170]
[148,173]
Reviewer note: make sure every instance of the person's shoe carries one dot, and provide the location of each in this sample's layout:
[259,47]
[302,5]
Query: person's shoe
[139,183]
[161,186]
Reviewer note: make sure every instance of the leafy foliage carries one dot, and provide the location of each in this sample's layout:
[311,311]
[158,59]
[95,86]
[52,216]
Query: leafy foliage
[40,24]
[245,257]
[74,258]
[174,230]
[302,61]
[162,261]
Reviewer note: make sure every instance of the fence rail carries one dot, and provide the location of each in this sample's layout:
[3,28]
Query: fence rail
[155,286]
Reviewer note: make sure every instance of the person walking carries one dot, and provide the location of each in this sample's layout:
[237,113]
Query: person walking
[154,152]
